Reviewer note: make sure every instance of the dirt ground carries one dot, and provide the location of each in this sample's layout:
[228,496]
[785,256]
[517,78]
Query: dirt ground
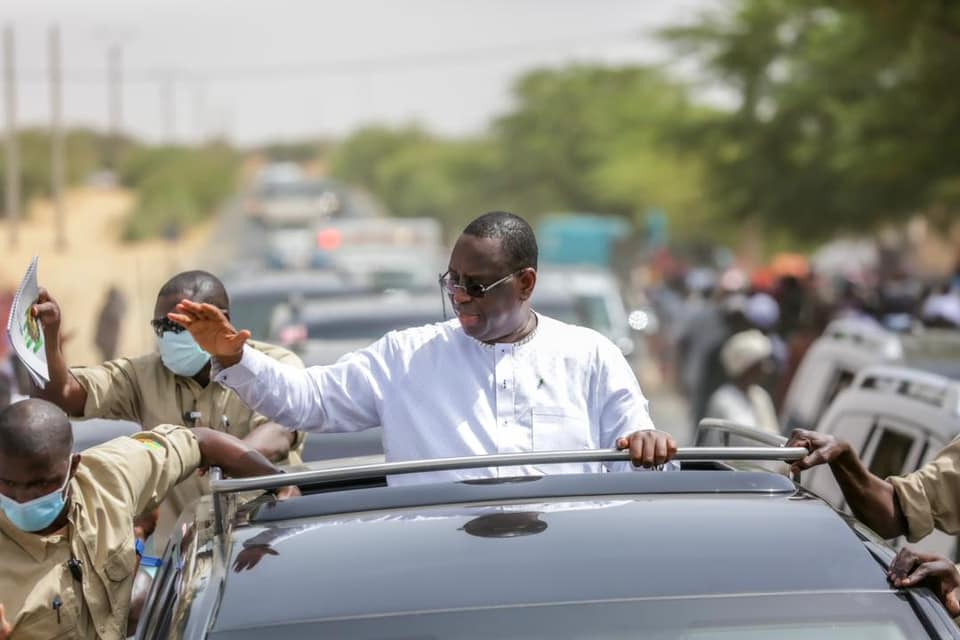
[95,259]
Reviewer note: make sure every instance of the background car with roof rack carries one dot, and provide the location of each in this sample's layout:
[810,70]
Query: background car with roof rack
[847,346]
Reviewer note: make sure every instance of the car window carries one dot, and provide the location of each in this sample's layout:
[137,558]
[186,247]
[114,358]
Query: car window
[595,314]
[841,379]
[254,314]
[890,455]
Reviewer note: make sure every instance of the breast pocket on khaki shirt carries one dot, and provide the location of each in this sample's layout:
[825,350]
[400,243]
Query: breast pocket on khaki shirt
[119,571]
[554,429]
[44,624]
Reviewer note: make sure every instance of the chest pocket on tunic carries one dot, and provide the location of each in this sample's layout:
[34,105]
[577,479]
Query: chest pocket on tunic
[45,624]
[554,430]
[118,569]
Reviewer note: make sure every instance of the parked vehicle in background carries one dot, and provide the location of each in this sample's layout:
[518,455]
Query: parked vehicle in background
[580,239]
[596,297]
[323,331]
[387,252]
[897,420]
[849,345]
[732,552]
[298,203]
[256,297]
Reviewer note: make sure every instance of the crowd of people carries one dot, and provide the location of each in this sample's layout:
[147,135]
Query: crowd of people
[733,340]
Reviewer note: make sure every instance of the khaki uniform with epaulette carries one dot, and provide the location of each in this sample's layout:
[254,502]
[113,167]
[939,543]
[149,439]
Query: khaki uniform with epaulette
[76,582]
[144,391]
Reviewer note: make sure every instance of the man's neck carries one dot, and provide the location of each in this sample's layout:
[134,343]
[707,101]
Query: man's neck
[529,326]
[203,376]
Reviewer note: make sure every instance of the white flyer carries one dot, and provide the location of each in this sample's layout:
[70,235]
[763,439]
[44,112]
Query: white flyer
[25,332]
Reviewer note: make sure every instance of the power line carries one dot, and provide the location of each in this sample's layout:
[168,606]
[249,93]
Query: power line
[355,66]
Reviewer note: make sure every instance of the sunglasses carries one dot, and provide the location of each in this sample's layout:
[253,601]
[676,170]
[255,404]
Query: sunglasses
[472,289]
[165,325]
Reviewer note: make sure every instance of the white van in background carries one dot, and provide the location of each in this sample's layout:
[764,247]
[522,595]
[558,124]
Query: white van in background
[897,419]
[596,294]
[849,345]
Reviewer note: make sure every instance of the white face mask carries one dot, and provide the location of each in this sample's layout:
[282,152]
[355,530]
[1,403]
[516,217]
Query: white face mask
[181,354]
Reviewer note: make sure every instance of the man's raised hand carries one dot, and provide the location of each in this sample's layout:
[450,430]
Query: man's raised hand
[212,330]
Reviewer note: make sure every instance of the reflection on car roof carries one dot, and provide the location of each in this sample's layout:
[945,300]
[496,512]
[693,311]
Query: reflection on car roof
[752,542]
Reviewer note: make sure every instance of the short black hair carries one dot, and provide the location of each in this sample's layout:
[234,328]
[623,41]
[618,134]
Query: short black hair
[514,233]
[34,427]
[199,286]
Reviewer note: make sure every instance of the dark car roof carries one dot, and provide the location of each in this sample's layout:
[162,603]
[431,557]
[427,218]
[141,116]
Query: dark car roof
[637,535]
[284,283]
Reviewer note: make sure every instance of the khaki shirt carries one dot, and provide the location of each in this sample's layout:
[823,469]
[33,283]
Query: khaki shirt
[930,496]
[144,391]
[114,482]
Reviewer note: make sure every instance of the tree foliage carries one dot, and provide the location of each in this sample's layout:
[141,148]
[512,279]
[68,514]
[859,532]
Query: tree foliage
[584,139]
[847,112]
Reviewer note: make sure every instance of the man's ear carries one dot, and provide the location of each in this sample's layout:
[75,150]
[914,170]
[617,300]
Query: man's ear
[528,281]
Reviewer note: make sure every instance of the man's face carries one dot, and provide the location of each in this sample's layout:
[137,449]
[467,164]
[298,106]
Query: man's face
[502,310]
[25,478]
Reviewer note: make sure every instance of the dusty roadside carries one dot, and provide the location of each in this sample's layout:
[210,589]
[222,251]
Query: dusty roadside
[94,260]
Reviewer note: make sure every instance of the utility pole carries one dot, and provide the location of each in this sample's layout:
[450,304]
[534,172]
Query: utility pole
[115,103]
[199,108]
[56,139]
[168,102]
[13,153]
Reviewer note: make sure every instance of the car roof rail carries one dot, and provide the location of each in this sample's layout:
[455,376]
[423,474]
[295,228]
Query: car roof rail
[367,471]
[727,428]
[224,510]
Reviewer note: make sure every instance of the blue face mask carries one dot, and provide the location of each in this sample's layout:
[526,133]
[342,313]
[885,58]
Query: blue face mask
[181,354]
[37,514]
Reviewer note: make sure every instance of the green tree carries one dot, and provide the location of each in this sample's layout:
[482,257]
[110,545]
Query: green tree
[846,114]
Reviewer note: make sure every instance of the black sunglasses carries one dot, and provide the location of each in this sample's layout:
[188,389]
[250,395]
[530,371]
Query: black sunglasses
[164,325]
[472,289]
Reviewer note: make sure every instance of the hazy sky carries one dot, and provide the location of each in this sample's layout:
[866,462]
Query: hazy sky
[290,68]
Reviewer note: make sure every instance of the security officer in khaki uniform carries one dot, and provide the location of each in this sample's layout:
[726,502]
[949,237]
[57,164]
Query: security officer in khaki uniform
[67,547]
[912,505]
[169,386]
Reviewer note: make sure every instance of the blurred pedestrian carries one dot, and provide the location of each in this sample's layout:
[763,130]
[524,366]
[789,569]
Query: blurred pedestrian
[108,323]
[942,310]
[748,360]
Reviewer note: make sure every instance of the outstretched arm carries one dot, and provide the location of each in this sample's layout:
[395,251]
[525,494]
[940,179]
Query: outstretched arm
[872,499]
[285,394]
[63,389]
[234,456]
